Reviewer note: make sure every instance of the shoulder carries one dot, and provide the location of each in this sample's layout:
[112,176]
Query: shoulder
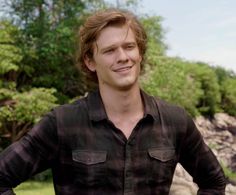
[70,111]
[177,121]
[171,112]
[75,105]
[167,106]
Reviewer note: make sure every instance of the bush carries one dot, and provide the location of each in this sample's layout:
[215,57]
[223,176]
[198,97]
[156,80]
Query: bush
[228,89]
[172,80]
[24,110]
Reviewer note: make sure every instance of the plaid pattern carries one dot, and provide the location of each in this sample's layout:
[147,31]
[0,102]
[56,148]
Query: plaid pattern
[89,155]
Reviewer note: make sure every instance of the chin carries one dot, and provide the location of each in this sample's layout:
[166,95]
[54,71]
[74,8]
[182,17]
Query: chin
[127,86]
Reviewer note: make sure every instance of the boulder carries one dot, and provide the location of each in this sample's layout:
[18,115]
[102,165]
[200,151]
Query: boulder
[219,134]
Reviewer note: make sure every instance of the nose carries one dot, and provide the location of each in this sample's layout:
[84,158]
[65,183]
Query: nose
[122,55]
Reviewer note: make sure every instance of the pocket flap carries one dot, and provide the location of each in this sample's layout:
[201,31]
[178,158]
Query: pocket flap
[89,157]
[162,154]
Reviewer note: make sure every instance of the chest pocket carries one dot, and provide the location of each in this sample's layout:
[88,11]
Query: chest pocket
[162,164]
[89,167]
[89,157]
[162,155]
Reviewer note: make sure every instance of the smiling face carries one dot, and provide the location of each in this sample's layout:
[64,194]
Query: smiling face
[116,58]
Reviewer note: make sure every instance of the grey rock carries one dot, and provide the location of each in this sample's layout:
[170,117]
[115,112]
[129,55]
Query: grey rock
[218,134]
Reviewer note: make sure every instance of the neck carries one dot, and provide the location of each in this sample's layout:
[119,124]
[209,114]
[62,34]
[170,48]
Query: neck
[123,107]
[122,103]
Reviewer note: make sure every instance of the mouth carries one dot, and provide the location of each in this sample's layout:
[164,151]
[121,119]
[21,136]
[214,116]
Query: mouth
[123,68]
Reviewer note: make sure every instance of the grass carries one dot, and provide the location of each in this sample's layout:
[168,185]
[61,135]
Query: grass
[230,174]
[35,188]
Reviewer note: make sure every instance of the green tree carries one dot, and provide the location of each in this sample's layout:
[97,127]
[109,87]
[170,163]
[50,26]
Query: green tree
[228,89]
[10,57]
[47,40]
[9,54]
[19,110]
[155,32]
[172,80]
[24,111]
[223,74]
[227,82]
[209,102]
[168,78]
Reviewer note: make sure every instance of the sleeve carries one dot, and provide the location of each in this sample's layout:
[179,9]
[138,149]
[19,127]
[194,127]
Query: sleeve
[4,191]
[33,153]
[198,159]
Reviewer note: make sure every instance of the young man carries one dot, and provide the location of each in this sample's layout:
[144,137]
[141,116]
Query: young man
[117,140]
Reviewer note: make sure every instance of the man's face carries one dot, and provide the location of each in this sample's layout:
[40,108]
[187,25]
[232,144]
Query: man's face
[116,58]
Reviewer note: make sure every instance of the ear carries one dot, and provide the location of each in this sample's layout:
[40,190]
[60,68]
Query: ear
[140,58]
[89,63]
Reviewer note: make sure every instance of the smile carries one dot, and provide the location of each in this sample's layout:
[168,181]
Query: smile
[121,69]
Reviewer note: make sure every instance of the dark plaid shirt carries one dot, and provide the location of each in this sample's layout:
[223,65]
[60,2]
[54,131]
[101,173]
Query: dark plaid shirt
[89,155]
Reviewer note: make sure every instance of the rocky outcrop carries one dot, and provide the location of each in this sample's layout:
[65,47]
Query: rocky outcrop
[220,134]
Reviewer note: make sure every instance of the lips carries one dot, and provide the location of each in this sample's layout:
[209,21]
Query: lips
[122,69]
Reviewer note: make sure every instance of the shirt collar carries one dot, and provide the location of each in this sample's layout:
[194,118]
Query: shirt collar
[96,109]
[150,106]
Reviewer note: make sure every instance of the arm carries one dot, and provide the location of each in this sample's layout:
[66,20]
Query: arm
[6,192]
[197,158]
[32,154]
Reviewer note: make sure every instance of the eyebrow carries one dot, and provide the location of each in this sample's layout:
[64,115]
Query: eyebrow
[114,45]
[108,47]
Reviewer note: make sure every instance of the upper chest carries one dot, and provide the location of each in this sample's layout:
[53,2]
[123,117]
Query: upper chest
[105,135]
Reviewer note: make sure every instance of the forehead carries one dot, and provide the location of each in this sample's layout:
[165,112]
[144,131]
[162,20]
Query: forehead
[115,35]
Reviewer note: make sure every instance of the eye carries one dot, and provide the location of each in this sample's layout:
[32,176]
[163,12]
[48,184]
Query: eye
[111,50]
[130,46]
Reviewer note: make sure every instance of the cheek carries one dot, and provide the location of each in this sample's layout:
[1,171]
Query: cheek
[135,56]
[107,60]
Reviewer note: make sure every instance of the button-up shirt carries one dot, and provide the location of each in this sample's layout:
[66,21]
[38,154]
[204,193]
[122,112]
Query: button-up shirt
[88,154]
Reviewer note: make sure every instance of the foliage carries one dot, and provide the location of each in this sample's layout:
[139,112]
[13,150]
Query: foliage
[197,86]
[156,46]
[208,103]
[25,109]
[228,89]
[28,106]
[9,53]
[127,4]
[19,110]
[227,82]
[223,74]
[35,188]
[172,81]
[230,175]
[189,84]
[46,39]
